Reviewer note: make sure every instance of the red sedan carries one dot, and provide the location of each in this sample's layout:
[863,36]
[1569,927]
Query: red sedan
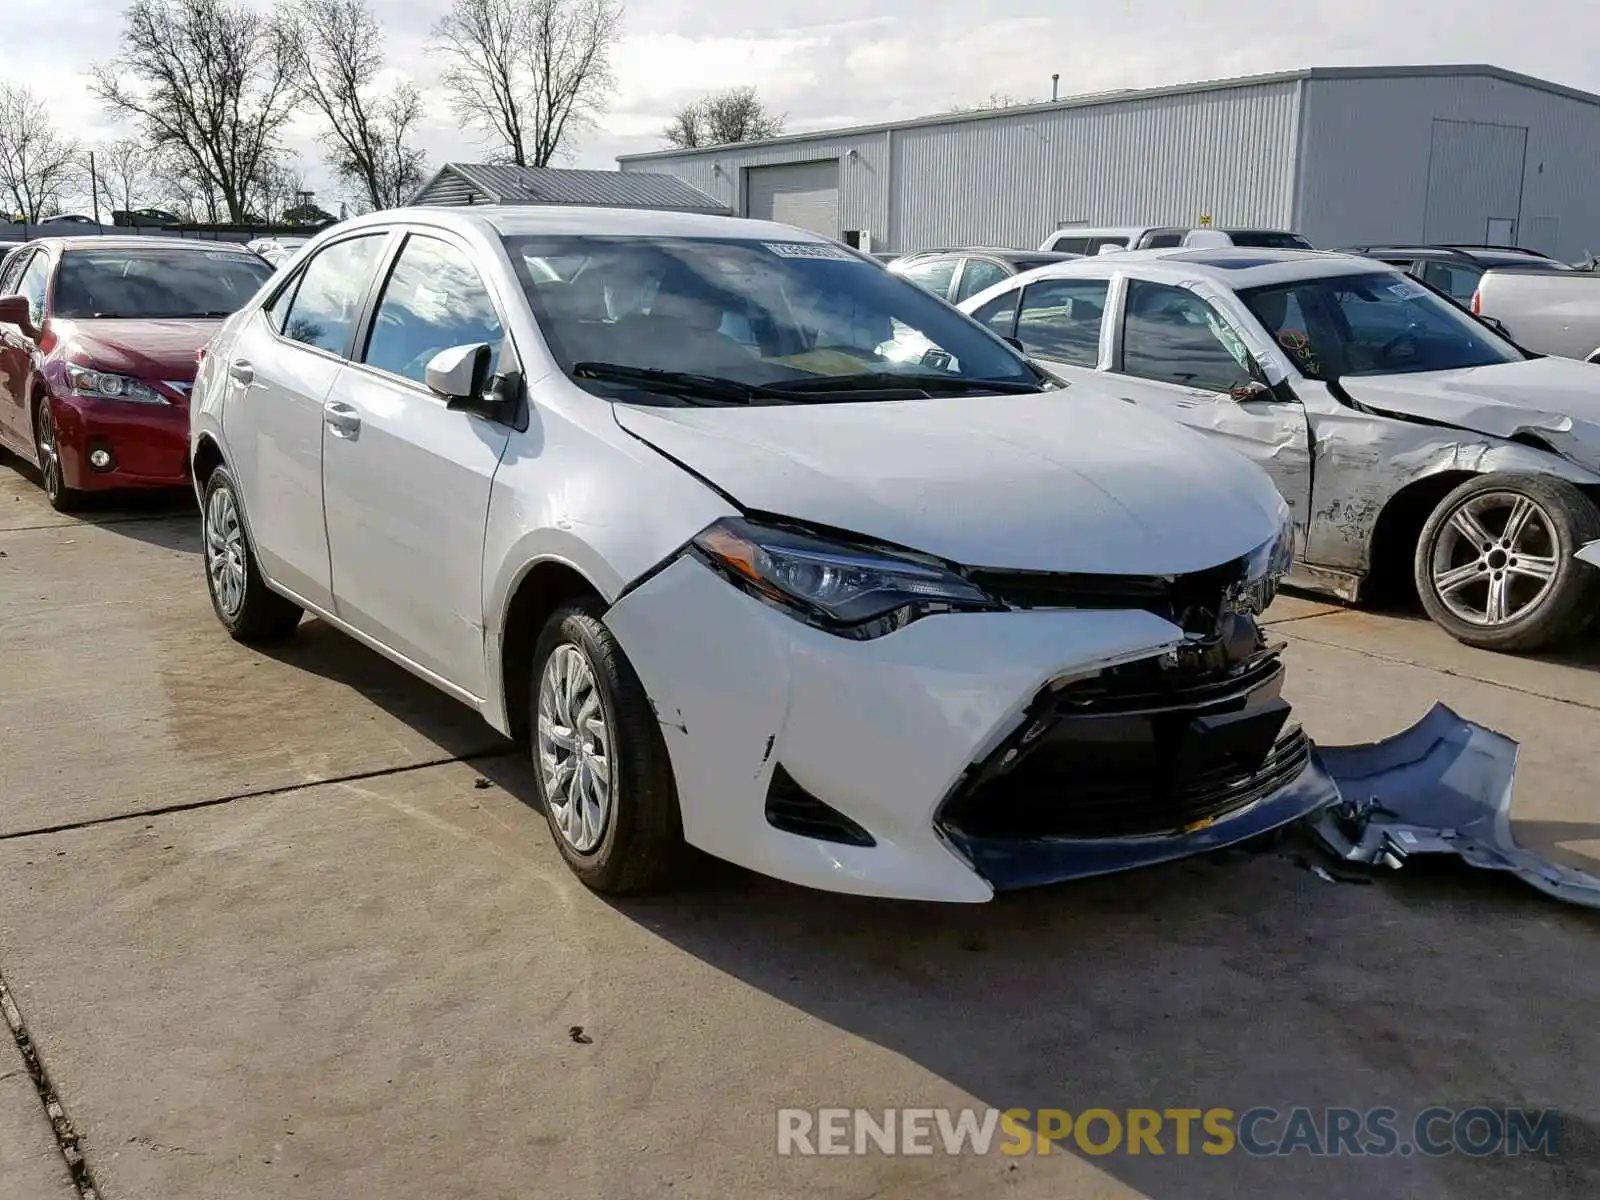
[99,338]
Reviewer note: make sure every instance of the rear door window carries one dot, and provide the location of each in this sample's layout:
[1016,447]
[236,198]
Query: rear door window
[327,302]
[999,314]
[1453,279]
[1060,319]
[1070,245]
[934,274]
[1121,243]
[978,275]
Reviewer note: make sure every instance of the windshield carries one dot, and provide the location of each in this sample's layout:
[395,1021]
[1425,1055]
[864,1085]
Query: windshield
[770,314]
[149,284]
[1372,324]
[1264,240]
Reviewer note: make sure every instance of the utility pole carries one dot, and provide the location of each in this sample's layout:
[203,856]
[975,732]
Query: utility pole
[94,188]
[1055,87]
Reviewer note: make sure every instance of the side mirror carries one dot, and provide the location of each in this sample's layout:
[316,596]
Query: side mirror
[14,310]
[460,373]
[1254,390]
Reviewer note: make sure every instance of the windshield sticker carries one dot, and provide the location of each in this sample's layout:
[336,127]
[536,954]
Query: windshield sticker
[809,250]
[1408,289]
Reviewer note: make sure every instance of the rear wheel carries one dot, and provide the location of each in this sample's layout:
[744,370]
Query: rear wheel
[245,605]
[1494,565]
[599,759]
[61,497]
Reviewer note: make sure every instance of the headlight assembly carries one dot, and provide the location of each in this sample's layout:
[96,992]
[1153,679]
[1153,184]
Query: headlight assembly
[102,385]
[854,591]
[1263,568]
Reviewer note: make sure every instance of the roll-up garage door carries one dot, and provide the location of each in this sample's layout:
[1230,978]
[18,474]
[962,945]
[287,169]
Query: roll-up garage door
[804,194]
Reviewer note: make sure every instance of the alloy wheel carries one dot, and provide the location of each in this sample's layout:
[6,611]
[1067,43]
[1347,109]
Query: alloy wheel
[225,563]
[49,454]
[1495,558]
[574,745]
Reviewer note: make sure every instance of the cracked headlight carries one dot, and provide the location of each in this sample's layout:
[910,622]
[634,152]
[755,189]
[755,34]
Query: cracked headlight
[1264,567]
[104,386]
[854,591]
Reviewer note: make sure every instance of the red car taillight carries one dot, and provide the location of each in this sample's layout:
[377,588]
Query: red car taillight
[1477,305]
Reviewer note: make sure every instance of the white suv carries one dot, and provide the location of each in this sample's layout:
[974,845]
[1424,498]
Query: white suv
[651,490]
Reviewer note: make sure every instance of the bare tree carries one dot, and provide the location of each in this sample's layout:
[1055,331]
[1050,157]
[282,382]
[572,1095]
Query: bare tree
[529,74]
[994,100]
[210,82]
[126,177]
[37,163]
[338,48]
[276,188]
[734,115]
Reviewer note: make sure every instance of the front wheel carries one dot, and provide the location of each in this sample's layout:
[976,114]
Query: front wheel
[599,759]
[246,606]
[48,447]
[1495,568]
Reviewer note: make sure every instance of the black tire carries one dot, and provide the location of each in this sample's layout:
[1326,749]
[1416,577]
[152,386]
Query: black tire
[1547,613]
[62,498]
[641,846]
[260,615]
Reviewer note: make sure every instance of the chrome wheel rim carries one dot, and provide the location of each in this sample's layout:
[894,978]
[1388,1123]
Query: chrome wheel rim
[49,456]
[225,552]
[574,748]
[1495,558]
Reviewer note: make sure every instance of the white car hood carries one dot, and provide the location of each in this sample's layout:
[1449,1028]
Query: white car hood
[1059,481]
[1556,399]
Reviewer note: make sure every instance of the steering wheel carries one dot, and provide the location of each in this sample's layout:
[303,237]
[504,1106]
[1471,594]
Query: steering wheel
[1395,343]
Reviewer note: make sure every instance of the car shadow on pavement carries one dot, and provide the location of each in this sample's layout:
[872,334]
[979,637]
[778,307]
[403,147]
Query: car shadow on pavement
[1236,981]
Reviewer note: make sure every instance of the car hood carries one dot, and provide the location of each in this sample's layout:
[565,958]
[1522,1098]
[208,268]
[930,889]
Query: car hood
[1059,481]
[149,350]
[1554,399]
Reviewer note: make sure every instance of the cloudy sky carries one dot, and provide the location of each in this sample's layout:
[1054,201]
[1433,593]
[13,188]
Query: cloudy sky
[828,62]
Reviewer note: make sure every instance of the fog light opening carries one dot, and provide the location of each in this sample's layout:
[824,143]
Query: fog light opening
[101,459]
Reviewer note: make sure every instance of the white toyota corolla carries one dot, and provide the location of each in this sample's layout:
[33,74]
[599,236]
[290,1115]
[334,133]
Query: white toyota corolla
[654,491]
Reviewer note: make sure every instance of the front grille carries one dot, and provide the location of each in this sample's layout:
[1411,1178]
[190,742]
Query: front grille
[1147,750]
[794,810]
[1194,601]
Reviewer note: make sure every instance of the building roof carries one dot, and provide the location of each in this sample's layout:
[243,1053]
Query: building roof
[1126,94]
[505,183]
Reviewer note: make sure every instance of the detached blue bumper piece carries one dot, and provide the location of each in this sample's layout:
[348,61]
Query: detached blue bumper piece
[1441,787]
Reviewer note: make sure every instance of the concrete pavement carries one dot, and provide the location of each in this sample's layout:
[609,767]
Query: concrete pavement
[287,926]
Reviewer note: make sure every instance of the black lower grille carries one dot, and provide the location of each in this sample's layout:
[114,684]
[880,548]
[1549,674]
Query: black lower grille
[794,810]
[1195,601]
[1119,756]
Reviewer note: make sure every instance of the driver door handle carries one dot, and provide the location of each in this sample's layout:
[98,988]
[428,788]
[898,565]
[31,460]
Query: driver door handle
[342,420]
[241,372]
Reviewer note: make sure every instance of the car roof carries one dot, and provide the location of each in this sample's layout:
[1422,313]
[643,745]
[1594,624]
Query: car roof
[1006,252]
[135,242]
[1232,267]
[513,220]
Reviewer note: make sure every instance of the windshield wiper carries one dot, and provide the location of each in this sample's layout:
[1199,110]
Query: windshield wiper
[895,381]
[683,384]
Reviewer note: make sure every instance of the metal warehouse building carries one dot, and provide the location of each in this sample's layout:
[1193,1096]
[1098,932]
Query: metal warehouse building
[1468,154]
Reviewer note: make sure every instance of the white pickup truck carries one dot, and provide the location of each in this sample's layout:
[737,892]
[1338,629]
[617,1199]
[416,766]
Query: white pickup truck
[1549,310]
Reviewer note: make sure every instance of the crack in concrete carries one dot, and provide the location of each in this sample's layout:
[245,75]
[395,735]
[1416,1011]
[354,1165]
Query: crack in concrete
[61,1126]
[259,793]
[1452,673]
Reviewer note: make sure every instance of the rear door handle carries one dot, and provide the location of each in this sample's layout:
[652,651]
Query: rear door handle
[342,420]
[241,372]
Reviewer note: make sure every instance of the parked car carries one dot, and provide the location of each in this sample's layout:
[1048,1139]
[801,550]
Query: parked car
[1075,239]
[98,338]
[68,219]
[661,505]
[1549,309]
[145,217]
[1405,435]
[954,275]
[277,250]
[1454,270]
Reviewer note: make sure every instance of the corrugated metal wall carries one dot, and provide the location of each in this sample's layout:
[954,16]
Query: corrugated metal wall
[1011,180]
[1367,145]
[1171,159]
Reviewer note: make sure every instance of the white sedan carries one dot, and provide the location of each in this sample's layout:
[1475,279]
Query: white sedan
[649,490]
[1410,440]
